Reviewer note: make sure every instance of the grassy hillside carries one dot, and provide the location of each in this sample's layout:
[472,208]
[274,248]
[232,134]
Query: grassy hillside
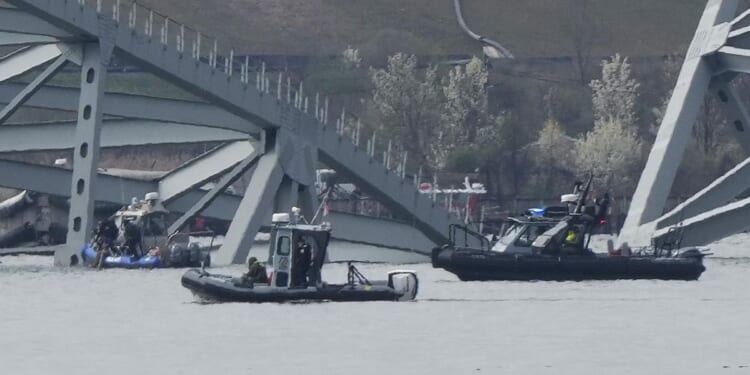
[530,28]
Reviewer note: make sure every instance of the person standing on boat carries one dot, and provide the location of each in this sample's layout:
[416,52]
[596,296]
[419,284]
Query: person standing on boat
[602,210]
[132,236]
[302,259]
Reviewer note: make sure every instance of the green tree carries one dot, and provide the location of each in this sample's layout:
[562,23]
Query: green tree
[407,104]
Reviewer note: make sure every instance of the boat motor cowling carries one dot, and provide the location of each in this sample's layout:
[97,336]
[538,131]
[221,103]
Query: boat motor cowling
[404,282]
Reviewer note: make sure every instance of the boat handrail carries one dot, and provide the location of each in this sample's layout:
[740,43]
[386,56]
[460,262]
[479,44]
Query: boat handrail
[355,274]
[453,228]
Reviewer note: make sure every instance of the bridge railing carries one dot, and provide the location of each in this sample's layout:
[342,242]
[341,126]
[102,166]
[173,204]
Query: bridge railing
[222,58]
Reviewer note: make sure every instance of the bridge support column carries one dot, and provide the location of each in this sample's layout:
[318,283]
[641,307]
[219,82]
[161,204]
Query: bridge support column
[287,196]
[308,201]
[86,154]
[253,211]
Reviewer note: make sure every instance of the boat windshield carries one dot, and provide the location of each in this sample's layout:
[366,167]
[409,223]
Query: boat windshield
[511,233]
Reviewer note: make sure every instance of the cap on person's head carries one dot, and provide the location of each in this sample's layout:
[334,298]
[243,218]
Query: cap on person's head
[252,260]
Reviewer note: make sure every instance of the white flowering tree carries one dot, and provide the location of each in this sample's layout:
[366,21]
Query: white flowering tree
[616,94]
[465,110]
[350,58]
[612,152]
[407,104]
[552,158]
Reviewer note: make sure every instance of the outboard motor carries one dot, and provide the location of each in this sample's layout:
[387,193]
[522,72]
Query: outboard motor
[179,255]
[194,254]
[405,283]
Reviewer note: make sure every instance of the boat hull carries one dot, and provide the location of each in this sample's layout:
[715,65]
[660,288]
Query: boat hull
[480,265]
[212,288]
[123,261]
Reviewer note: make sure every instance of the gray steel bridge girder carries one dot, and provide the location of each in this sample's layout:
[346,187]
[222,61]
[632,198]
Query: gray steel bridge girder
[135,107]
[215,192]
[178,68]
[49,72]
[111,189]
[118,190]
[14,20]
[236,97]
[253,211]
[734,109]
[666,154]
[9,39]
[713,225]
[719,192]
[86,156]
[28,58]
[372,177]
[60,135]
[204,168]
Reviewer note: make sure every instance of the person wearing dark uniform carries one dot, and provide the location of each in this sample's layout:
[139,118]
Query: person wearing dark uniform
[256,273]
[132,239]
[106,234]
[302,259]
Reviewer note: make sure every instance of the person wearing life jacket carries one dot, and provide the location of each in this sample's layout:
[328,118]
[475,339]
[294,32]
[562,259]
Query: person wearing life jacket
[571,242]
[256,273]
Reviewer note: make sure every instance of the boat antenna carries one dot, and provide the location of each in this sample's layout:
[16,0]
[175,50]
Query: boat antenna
[584,195]
[329,190]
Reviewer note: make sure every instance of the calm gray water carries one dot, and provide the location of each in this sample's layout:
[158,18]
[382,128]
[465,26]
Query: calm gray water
[81,321]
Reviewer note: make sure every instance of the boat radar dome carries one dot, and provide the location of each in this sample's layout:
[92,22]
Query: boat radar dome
[280,218]
[152,196]
[569,198]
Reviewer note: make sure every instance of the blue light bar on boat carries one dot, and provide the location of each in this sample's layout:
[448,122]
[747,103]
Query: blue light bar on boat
[537,211]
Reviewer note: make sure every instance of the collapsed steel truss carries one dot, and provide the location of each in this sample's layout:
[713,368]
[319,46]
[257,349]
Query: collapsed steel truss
[271,135]
[719,51]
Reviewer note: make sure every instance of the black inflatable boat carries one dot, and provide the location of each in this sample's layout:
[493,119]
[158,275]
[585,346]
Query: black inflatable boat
[482,265]
[296,273]
[538,248]
[220,288]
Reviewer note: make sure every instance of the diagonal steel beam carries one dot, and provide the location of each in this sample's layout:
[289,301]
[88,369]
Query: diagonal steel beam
[59,135]
[9,39]
[733,59]
[135,107]
[32,87]
[28,58]
[674,133]
[192,75]
[721,191]
[204,168]
[735,110]
[119,190]
[714,224]
[226,180]
[110,188]
[253,211]
[18,21]
[227,92]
